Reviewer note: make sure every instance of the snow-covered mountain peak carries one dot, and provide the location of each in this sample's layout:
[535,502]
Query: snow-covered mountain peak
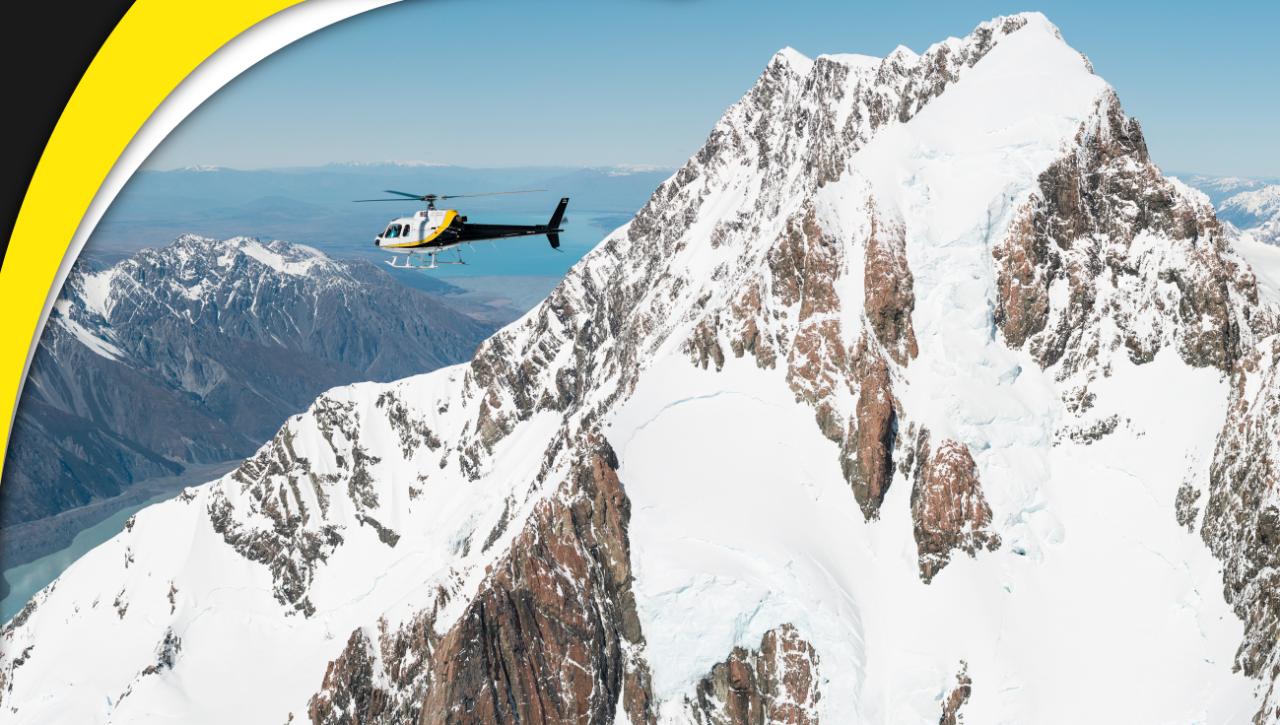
[1251,206]
[1258,201]
[191,279]
[1256,211]
[286,258]
[792,58]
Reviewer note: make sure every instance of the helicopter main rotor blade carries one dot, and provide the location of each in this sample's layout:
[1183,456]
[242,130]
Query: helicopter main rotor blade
[437,197]
[402,201]
[490,193]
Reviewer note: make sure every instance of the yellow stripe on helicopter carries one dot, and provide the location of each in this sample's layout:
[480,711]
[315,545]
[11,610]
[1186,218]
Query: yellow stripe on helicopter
[448,219]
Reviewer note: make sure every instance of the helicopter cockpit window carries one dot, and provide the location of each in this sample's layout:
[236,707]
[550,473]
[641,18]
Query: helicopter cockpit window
[392,232]
[404,230]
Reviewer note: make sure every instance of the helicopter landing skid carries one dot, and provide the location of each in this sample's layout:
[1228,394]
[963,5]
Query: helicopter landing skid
[435,262]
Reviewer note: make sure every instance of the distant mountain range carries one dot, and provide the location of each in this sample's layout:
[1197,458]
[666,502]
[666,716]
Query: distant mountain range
[197,352]
[313,205]
[1250,205]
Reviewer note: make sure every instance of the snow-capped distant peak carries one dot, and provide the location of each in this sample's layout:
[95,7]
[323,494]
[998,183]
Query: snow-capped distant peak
[791,57]
[402,163]
[902,54]
[283,257]
[290,259]
[182,277]
[632,169]
[1265,200]
[1255,211]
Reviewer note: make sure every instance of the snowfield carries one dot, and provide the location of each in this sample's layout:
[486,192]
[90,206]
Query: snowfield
[739,527]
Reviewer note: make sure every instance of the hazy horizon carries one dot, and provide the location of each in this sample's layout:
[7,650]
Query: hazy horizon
[576,84]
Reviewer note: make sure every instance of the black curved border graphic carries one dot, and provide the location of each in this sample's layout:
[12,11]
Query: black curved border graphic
[46,47]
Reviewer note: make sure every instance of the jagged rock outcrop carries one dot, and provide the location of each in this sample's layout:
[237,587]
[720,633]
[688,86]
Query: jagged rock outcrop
[1112,238]
[890,297]
[956,698]
[1241,524]
[949,511]
[1185,507]
[775,684]
[822,369]
[288,501]
[551,637]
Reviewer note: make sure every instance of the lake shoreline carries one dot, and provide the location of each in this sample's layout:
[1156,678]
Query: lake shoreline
[31,541]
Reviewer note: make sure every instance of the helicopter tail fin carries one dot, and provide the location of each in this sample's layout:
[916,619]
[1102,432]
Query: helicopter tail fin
[554,238]
[557,217]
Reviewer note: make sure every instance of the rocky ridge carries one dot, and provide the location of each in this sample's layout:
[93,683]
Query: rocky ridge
[776,683]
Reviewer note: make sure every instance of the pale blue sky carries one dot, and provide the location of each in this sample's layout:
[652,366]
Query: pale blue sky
[576,82]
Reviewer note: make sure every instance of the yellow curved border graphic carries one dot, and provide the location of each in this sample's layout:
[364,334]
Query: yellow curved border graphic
[157,44]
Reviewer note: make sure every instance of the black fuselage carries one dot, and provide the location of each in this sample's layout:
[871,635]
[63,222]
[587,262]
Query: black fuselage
[454,229]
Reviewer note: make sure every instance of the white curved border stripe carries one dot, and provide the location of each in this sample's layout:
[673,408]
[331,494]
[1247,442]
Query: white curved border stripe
[221,68]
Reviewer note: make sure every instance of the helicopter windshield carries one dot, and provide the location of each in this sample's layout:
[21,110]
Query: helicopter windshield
[392,232]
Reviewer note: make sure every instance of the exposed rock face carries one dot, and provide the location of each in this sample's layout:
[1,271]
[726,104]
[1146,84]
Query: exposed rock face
[822,368]
[1241,523]
[957,697]
[1096,233]
[890,296]
[1185,508]
[288,502]
[867,454]
[776,684]
[795,315]
[805,266]
[551,637]
[949,509]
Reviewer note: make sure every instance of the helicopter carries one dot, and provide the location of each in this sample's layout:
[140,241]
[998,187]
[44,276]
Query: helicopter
[431,231]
